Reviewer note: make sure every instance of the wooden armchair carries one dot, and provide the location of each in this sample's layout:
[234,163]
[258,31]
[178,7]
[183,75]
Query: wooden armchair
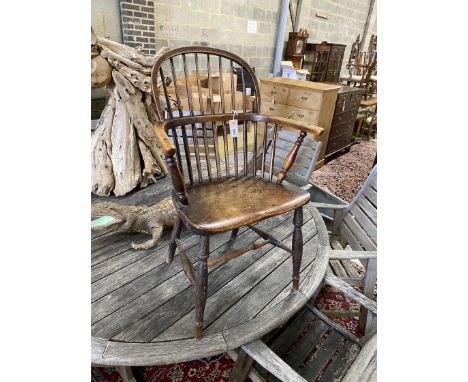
[355,225]
[235,190]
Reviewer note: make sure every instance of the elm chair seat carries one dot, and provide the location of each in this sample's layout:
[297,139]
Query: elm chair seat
[244,201]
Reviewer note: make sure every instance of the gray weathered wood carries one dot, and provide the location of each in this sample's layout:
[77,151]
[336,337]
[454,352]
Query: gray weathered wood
[132,299]
[126,373]
[364,359]
[270,361]
[321,357]
[346,255]
[351,292]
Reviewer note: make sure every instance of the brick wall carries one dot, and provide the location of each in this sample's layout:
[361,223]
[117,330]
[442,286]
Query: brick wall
[138,24]
[223,24]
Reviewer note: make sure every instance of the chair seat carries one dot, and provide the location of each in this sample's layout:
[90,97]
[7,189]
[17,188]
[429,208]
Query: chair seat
[225,204]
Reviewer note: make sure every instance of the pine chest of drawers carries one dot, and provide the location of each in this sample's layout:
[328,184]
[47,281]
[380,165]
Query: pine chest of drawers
[310,102]
[341,132]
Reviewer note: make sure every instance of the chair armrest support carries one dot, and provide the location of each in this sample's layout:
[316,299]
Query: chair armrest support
[351,292]
[263,355]
[289,160]
[169,152]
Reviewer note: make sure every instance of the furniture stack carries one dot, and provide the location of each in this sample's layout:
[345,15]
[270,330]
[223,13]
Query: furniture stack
[324,61]
[346,109]
[304,101]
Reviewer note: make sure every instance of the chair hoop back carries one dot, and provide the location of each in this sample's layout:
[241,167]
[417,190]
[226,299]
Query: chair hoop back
[186,96]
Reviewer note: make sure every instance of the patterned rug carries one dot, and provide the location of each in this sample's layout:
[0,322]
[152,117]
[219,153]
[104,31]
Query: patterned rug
[343,176]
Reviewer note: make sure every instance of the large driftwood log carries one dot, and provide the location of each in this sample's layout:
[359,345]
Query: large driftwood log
[124,150]
[125,158]
[102,176]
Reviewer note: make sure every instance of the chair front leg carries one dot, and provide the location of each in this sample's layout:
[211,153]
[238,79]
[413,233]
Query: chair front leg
[297,245]
[174,235]
[201,285]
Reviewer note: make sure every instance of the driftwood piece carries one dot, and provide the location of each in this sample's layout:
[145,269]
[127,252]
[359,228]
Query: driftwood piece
[135,158]
[102,176]
[125,158]
[137,112]
[101,72]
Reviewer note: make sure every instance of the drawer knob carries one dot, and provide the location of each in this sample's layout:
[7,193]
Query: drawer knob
[304,98]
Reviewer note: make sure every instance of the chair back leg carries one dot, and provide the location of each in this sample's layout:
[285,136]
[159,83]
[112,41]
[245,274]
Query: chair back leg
[174,236]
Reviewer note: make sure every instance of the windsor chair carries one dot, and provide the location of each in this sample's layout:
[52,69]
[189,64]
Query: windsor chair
[221,180]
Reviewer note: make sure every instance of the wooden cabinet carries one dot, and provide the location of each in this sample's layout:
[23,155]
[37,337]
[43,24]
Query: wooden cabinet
[324,61]
[341,132]
[306,101]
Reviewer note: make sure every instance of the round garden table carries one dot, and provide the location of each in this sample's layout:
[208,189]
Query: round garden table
[142,308]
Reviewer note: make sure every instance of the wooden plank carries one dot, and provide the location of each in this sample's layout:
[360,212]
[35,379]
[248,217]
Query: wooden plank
[344,358]
[270,361]
[368,208]
[371,195]
[350,239]
[254,375]
[241,368]
[321,357]
[359,233]
[348,255]
[151,325]
[331,323]
[291,330]
[351,292]
[362,361]
[161,353]
[295,358]
[236,302]
[266,322]
[128,301]
[367,224]
[260,295]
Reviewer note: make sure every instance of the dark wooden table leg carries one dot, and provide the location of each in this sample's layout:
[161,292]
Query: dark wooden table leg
[174,235]
[242,367]
[297,246]
[201,285]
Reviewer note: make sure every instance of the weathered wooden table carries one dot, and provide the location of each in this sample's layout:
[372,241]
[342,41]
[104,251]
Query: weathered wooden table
[142,308]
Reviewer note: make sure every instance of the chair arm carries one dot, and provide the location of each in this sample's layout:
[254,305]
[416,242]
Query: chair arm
[308,128]
[263,355]
[334,254]
[169,151]
[348,290]
[167,146]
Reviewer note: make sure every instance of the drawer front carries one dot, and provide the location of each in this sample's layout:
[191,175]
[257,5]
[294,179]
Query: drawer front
[272,92]
[286,111]
[305,99]
[338,143]
[304,115]
[344,117]
[274,108]
[346,105]
[342,128]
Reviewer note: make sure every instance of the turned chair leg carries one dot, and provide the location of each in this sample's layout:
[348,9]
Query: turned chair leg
[297,245]
[174,235]
[233,236]
[201,285]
